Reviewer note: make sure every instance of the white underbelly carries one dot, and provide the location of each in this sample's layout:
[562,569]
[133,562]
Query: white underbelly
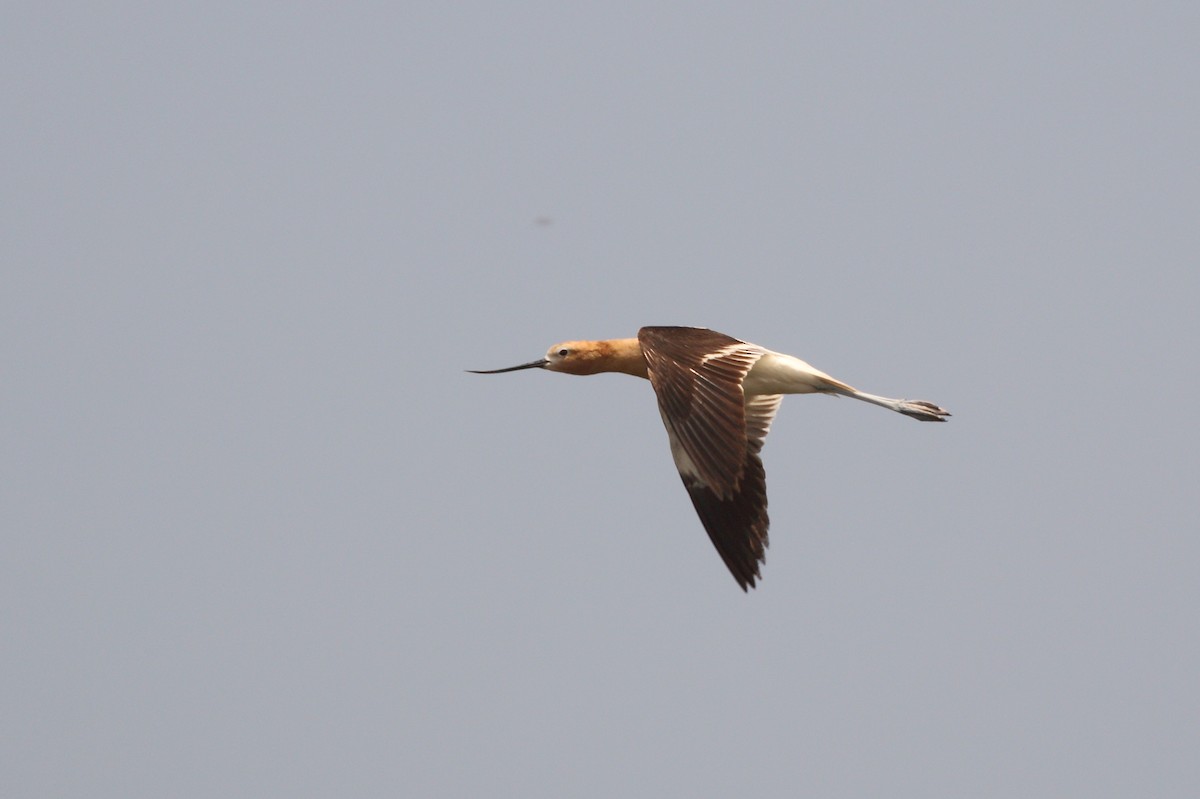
[775,373]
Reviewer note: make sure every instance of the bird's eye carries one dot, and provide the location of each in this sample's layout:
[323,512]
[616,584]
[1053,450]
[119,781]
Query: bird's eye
[564,352]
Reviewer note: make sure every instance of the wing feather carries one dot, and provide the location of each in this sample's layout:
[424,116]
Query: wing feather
[697,375]
[716,434]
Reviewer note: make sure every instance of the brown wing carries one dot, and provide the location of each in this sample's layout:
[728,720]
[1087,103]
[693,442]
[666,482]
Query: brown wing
[697,375]
[737,525]
[716,435]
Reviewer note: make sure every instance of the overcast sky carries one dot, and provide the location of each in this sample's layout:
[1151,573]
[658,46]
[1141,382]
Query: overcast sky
[262,536]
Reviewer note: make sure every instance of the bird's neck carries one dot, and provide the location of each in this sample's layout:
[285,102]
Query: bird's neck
[625,356]
[612,355]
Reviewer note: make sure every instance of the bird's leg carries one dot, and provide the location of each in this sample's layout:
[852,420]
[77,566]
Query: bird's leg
[917,409]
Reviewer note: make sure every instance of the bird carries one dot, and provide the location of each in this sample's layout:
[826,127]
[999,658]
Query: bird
[717,396]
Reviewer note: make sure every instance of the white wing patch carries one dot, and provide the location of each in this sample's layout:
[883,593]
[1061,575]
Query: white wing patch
[740,348]
[683,461]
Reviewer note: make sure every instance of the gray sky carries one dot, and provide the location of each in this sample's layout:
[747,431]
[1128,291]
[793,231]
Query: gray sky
[263,536]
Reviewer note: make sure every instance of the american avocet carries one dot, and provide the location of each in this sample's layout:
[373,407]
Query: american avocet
[717,397]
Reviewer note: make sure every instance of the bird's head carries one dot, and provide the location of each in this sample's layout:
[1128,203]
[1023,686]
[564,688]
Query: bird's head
[571,357]
[585,358]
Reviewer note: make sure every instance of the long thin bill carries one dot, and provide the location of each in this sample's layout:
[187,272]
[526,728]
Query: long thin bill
[540,363]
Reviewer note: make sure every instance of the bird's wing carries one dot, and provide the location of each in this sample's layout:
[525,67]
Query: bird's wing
[697,375]
[716,434]
[736,524]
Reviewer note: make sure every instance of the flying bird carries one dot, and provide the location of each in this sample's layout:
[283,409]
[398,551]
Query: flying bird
[717,397]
